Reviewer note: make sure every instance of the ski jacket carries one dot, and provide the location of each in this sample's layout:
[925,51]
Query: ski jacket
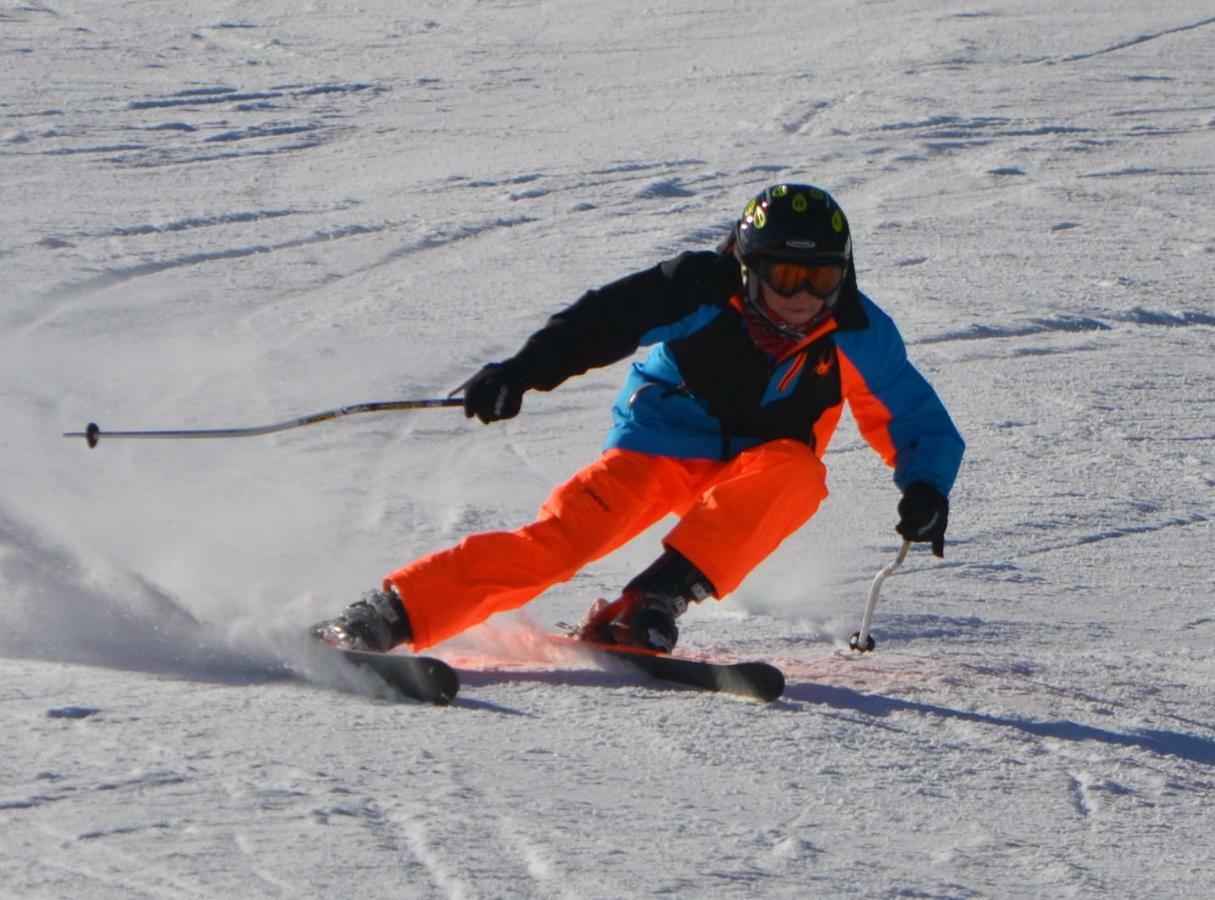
[705,391]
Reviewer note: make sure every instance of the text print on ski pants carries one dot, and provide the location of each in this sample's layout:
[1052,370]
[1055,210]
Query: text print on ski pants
[732,516]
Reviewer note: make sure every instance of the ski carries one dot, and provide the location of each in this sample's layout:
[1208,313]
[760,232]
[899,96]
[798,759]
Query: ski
[759,680]
[421,678]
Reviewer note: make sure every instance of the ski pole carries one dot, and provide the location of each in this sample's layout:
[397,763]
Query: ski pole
[862,641]
[93,433]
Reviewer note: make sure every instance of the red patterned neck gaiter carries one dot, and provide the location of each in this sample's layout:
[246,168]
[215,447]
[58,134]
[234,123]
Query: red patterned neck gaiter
[774,341]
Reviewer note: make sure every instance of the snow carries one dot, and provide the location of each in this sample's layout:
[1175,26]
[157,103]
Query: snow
[222,214]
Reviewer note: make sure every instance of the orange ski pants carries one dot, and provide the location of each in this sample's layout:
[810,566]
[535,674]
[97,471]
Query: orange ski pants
[732,515]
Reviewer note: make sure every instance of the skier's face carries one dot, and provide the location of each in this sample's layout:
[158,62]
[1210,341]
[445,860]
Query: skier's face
[798,309]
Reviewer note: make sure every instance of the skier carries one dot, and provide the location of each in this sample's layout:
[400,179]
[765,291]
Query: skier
[755,347]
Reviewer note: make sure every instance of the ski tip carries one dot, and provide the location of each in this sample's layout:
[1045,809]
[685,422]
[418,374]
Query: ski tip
[775,685]
[760,680]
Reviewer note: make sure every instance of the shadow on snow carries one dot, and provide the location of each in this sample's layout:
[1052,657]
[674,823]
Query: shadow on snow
[1168,743]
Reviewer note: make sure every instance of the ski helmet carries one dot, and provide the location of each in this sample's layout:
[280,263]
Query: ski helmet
[794,222]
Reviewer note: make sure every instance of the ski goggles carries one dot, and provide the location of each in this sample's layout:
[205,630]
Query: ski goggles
[787,278]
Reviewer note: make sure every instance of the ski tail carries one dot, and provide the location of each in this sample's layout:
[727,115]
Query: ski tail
[421,678]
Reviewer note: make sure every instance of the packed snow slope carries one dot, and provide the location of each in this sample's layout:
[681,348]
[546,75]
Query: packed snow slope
[223,214]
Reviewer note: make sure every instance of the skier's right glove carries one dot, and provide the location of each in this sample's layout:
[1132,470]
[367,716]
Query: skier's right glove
[493,393]
[924,515]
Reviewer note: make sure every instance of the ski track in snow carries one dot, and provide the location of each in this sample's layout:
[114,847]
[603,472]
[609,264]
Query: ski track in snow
[223,216]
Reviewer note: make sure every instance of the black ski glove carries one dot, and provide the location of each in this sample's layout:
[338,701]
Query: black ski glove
[493,393]
[923,516]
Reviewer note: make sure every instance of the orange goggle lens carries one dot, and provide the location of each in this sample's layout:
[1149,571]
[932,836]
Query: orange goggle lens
[787,278]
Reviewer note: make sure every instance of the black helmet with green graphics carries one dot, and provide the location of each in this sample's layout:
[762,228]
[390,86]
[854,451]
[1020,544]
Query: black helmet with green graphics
[796,222]
[799,224]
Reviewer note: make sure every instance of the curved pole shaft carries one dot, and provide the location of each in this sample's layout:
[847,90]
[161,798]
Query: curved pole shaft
[862,637]
[92,434]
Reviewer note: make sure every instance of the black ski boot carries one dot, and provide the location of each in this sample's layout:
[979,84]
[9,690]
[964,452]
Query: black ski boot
[644,615]
[377,622]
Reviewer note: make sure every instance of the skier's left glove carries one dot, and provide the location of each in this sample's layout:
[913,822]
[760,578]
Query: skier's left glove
[494,393]
[924,515]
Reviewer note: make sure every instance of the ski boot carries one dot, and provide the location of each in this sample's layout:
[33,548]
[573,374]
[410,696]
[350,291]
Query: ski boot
[377,623]
[644,615]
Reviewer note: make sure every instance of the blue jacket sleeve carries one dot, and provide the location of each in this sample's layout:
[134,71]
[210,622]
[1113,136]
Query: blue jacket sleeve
[895,407]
